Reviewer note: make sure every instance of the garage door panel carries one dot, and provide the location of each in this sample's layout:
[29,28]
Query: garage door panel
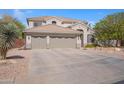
[62,42]
[38,42]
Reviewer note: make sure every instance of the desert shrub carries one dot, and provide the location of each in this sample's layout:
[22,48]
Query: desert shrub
[90,45]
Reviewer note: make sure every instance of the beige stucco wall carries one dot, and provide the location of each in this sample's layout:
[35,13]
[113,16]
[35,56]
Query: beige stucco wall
[85,32]
[31,24]
[58,22]
[78,42]
[28,41]
[84,28]
[66,25]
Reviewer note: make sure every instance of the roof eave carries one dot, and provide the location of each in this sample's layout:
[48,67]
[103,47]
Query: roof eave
[50,33]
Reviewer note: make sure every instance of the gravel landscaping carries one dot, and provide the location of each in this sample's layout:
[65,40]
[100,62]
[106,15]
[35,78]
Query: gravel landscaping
[15,67]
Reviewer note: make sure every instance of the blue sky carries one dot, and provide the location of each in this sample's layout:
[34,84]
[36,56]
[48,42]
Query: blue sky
[90,15]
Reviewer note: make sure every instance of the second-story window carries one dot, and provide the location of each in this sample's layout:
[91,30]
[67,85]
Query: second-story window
[37,23]
[44,21]
[80,30]
[53,22]
[88,29]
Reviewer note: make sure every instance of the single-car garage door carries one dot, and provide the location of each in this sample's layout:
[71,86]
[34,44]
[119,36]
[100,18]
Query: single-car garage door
[62,42]
[38,42]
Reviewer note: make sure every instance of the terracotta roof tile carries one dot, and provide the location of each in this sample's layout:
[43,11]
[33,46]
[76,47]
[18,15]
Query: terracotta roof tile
[45,18]
[51,29]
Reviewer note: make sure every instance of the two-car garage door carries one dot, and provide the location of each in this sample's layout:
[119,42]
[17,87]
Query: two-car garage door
[55,42]
[62,42]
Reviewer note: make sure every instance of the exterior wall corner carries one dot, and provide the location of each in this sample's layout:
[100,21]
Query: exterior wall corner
[48,41]
[78,42]
[28,42]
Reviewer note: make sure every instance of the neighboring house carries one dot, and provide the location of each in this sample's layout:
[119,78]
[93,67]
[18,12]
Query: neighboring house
[56,32]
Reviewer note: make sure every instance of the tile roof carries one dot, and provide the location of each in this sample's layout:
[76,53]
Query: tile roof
[51,29]
[45,18]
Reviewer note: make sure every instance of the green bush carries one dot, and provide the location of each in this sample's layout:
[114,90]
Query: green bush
[90,46]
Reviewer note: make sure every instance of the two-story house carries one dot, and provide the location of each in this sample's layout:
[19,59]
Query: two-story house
[56,32]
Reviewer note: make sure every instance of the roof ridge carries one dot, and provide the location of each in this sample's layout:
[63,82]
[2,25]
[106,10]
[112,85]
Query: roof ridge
[59,17]
[49,25]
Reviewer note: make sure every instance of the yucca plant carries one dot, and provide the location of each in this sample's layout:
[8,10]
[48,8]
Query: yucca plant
[20,26]
[8,35]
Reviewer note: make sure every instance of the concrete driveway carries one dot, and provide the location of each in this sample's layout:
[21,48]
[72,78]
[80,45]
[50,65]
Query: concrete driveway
[74,66]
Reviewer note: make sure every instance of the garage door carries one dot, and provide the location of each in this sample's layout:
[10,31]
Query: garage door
[57,42]
[38,42]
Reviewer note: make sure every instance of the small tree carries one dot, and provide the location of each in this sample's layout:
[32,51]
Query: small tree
[8,35]
[10,30]
[110,28]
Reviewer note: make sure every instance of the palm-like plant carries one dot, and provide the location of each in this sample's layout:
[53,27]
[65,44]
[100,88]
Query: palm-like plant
[8,35]
[9,19]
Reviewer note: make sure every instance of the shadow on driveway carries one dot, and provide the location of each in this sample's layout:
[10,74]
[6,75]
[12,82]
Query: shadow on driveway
[15,57]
